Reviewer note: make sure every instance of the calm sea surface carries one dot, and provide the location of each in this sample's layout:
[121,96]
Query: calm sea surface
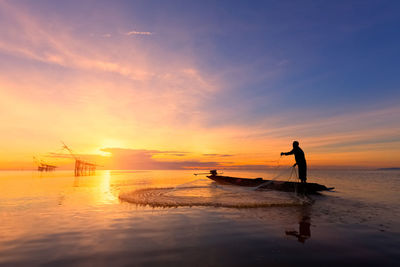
[173,218]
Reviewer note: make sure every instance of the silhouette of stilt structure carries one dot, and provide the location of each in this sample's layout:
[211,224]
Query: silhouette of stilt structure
[81,167]
[84,168]
[44,167]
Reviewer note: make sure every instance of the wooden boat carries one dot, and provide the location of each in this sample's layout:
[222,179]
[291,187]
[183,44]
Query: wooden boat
[309,188]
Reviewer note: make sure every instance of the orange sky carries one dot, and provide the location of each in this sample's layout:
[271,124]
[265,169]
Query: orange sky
[121,90]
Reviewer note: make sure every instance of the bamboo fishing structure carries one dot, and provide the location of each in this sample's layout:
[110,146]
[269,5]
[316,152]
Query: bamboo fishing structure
[46,167]
[81,167]
[43,166]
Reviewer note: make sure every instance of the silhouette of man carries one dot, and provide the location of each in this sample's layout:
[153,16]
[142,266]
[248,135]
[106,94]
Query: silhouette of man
[300,160]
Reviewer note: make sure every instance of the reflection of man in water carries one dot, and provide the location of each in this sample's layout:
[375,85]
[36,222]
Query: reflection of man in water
[304,230]
[304,220]
[300,160]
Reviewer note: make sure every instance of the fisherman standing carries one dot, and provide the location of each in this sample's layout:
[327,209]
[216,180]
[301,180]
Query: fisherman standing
[300,160]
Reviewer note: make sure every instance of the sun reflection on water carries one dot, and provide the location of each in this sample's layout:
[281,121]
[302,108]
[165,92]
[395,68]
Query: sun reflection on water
[105,193]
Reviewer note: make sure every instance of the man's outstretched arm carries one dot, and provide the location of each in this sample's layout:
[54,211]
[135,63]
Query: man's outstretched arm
[287,153]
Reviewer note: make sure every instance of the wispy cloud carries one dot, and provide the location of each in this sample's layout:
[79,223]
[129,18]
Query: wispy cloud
[217,155]
[138,33]
[28,36]
[142,159]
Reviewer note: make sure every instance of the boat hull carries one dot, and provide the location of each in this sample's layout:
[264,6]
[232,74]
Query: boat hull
[309,188]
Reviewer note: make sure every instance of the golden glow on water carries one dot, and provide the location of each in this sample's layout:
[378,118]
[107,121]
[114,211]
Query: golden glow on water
[90,214]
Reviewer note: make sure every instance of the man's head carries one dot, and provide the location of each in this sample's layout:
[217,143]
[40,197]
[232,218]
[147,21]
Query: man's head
[295,144]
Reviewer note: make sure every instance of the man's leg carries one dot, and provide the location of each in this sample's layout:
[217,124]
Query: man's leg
[302,173]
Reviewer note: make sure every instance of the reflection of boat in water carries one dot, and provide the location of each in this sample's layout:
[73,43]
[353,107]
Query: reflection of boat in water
[310,188]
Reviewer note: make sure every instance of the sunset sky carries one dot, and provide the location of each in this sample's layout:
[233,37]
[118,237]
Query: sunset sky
[181,84]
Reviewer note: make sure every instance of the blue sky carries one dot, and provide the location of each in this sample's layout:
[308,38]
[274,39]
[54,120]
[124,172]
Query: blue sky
[324,57]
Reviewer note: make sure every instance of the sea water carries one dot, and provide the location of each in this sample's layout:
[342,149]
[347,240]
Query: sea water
[119,218]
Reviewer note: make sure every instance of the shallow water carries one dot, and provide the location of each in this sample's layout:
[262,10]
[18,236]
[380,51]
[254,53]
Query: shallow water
[172,217]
